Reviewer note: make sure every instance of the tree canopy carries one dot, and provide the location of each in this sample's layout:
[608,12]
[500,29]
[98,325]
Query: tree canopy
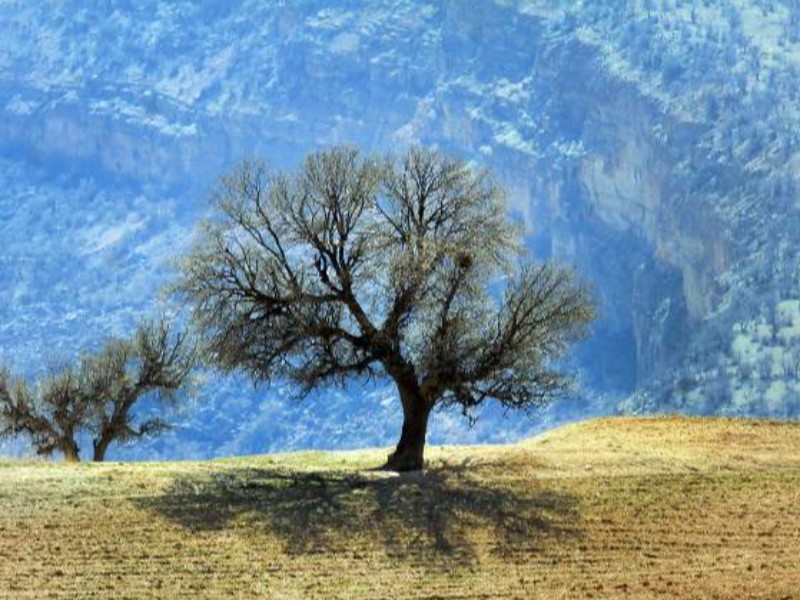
[97,395]
[402,267]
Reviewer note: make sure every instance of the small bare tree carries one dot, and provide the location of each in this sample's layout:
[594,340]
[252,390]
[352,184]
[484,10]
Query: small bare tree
[98,394]
[153,362]
[362,266]
[51,416]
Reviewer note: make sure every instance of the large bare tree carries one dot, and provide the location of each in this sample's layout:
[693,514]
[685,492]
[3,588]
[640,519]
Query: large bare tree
[406,268]
[98,394]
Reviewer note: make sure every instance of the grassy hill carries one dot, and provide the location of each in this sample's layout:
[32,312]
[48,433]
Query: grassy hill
[611,508]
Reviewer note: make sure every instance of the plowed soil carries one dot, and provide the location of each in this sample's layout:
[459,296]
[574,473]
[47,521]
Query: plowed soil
[611,508]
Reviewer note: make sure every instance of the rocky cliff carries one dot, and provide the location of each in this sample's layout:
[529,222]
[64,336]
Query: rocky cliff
[653,144]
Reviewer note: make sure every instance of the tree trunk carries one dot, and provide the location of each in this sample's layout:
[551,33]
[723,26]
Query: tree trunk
[100,447]
[71,454]
[408,456]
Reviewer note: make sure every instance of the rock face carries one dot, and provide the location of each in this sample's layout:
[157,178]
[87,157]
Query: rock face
[654,147]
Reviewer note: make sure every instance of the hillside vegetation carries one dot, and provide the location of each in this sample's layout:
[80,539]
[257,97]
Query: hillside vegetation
[639,508]
[653,143]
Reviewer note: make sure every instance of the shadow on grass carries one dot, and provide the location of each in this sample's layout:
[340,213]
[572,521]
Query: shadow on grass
[442,514]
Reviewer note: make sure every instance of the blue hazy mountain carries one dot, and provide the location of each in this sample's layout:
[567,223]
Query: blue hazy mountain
[653,144]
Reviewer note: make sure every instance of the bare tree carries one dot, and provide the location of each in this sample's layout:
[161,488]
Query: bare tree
[98,394]
[51,415]
[152,363]
[361,266]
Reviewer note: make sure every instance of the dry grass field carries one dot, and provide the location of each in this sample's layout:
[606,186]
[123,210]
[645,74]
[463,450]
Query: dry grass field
[611,508]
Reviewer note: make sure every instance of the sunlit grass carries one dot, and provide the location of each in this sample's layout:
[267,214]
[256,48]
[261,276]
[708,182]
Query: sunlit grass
[643,508]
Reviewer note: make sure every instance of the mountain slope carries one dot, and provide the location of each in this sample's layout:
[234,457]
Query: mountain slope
[646,508]
[654,144]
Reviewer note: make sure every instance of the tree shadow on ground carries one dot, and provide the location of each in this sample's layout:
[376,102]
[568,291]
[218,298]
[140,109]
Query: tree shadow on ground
[444,513]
